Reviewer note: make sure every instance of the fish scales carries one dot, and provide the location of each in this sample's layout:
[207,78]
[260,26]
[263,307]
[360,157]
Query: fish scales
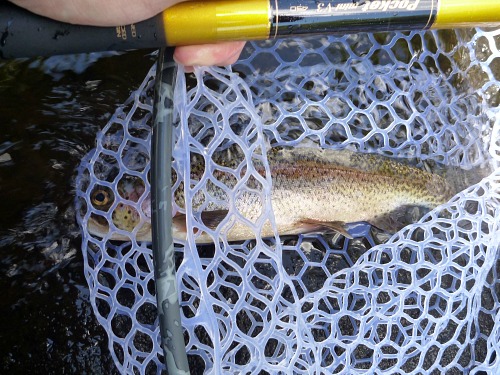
[312,190]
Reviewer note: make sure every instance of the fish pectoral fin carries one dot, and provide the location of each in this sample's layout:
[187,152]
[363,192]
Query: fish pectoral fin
[311,225]
[179,223]
[210,218]
[213,218]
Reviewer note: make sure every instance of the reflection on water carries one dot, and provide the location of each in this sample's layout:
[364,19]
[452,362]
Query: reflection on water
[50,112]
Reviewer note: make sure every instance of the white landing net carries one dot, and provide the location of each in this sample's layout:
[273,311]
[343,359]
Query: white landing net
[424,300]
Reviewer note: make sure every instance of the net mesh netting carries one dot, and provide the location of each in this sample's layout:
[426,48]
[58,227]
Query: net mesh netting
[424,300]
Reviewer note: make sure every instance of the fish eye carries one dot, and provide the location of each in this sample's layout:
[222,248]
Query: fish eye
[100,198]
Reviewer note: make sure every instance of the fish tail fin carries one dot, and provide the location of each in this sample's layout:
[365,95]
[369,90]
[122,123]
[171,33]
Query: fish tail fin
[460,179]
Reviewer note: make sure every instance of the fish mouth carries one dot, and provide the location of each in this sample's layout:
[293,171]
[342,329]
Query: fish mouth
[126,221]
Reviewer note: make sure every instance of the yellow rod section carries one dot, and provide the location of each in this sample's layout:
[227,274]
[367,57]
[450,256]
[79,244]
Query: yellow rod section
[216,20]
[463,13]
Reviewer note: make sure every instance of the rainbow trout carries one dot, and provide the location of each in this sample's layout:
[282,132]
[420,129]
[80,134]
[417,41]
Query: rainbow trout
[313,190]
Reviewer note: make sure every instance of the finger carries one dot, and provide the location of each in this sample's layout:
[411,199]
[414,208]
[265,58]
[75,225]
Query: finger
[96,12]
[225,53]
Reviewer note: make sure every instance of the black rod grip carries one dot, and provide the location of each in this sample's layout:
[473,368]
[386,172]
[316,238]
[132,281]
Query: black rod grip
[25,34]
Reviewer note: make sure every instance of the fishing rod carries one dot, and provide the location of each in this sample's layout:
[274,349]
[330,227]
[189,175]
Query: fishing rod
[24,34]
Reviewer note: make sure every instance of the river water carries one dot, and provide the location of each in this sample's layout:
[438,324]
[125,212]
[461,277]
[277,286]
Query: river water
[50,112]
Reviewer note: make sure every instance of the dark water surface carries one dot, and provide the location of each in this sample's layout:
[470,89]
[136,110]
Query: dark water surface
[49,117]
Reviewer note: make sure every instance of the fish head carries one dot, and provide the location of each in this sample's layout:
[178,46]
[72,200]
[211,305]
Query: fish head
[113,214]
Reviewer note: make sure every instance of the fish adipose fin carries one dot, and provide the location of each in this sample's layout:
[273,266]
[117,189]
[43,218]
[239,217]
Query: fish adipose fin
[311,225]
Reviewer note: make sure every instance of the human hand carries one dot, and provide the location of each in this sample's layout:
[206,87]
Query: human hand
[124,12]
